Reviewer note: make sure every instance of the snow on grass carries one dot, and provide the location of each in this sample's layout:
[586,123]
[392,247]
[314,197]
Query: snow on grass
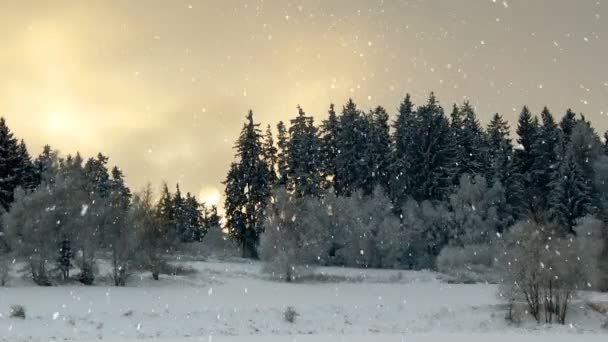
[230,301]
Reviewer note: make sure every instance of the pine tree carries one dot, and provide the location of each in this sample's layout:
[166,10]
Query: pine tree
[378,151]
[180,219]
[567,124]
[46,165]
[247,189]
[194,218]
[328,133]
[27,170]
[10,165]
[606,143]
[431,166]
[501,167]
[351,163]
[282,142]
[165,207]
[571,195]
[270,155]
[402,153]
[469,140]
[97,175]
[303,156]
[527,130]
[119,189]
[500,149]
[545,163]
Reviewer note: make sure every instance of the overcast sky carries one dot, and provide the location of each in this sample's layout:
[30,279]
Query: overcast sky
[162,87]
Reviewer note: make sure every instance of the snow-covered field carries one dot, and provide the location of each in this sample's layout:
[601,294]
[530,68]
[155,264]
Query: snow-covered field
[231,301]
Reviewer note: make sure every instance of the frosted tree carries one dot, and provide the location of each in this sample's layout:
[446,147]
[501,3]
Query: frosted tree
[370,233]
[30,231]
[154,231]
[592,250]
[426,229]
[475,211]
[120,235]
[540,268]
[293,242]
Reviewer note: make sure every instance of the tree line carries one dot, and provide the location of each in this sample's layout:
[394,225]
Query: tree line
[428,189]
[64,213]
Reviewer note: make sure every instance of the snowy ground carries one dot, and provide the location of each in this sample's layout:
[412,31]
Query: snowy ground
[226,302]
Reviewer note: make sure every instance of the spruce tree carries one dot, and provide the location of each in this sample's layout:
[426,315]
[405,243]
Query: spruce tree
[180,220]
[567,124]
[571,195]
[247,189]
[606,143]
[545,162]
[527,130]
[165,208]
[46,165]
[282,142]
[328,142]
[303,156]
[431,166]
[10,165]
[98,178]
[402,153]
[27,170]
[470,145]
[351,163]
[501,167]
[270,155]
[378,151]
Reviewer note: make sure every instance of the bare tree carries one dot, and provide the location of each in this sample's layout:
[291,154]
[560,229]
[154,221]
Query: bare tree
[541,268]
[154,234]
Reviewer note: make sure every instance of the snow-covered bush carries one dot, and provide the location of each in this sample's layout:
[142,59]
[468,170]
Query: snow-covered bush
[475,211]
[540,268]
[591,242]
[369,233]
[471,263]
[290,314]
[426,229]
[293,241]
[30,230]
[17,311]
[216,244]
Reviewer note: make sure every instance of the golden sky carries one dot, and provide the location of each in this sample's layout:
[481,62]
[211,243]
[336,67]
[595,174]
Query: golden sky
[163,86]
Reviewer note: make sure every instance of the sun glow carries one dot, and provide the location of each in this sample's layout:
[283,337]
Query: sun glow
[210,196]
[59,121]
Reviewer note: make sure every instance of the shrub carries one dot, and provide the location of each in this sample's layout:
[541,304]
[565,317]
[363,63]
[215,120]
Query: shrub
[471,263]
[17,311]
[294,240]
[5,267]
[290,314]
[541,268]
